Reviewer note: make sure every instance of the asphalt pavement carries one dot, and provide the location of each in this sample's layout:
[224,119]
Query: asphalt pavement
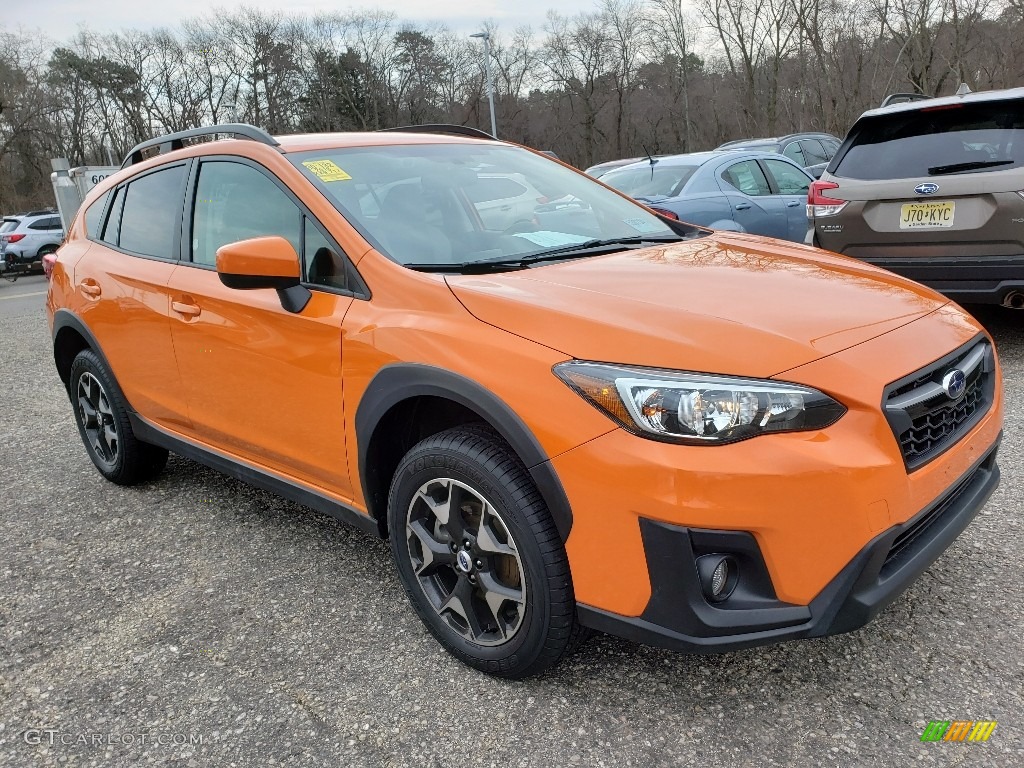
[198,622]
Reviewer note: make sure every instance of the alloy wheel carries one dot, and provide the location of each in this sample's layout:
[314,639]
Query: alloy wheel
[98,418]
[466,561]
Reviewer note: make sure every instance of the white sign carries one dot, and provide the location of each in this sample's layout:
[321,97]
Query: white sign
[88,176]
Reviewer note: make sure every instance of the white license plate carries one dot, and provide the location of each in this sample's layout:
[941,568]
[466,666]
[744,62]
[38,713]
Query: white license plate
[930,215]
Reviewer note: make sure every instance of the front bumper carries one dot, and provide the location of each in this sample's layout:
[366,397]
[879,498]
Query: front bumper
[680,618]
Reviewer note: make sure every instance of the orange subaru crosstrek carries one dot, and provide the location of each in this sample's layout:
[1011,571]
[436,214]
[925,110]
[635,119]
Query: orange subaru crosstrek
[584,416]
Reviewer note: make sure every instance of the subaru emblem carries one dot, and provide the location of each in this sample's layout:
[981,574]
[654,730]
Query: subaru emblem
[954,383]
[927,188]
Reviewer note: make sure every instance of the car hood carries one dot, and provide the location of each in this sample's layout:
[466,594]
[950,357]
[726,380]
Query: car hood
[726,303]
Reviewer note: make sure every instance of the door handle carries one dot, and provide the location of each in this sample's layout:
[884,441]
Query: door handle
[742,206]
[794,203]
[185,308]
[90,288]
[505,208]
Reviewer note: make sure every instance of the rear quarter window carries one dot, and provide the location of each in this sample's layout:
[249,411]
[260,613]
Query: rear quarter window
[975,137]
[94,216]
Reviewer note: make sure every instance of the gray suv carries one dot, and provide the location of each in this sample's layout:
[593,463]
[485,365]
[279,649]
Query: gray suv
[27,237]
[932,190]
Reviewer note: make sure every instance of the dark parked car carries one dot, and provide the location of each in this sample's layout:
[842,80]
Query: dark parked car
[811,151]
[754,192]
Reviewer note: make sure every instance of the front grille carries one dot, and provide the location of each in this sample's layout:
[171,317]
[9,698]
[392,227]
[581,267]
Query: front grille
[925,420]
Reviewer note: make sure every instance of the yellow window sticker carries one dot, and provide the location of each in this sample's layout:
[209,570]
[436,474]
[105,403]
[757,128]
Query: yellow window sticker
[326,170]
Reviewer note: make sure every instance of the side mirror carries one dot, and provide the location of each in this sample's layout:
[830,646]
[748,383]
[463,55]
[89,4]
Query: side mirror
[264,262]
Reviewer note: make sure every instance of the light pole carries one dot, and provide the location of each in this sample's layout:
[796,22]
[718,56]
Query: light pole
[110,157]
[490,82]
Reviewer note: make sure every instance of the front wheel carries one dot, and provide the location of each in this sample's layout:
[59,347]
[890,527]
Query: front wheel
[479,555]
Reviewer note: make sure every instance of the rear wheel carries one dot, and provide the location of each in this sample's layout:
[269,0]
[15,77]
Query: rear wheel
[479,555]
[102,417]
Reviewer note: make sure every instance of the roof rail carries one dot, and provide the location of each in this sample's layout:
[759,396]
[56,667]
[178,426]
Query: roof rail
[900,98]
[174,141]
[456,130]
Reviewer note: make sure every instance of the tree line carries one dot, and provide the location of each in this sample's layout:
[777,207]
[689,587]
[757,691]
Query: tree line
[626,78]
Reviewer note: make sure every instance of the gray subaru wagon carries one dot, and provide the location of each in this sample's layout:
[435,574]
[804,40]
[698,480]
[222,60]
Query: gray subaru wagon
[932,190]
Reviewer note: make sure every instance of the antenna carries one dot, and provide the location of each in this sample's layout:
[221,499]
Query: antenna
[963,90]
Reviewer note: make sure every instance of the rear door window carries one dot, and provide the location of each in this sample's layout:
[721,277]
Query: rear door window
[152,213]
[793,152]
[969,138]
[789,180]
[814,153]
[748,178]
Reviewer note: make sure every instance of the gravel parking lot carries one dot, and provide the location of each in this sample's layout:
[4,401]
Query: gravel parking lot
[196,621]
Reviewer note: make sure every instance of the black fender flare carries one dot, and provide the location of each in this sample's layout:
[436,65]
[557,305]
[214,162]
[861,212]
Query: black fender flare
[401,381]
[65,318]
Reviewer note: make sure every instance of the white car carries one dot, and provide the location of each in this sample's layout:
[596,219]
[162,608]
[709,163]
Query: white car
[27,237]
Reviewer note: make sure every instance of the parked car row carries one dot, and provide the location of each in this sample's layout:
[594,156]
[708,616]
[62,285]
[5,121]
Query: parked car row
[930,188]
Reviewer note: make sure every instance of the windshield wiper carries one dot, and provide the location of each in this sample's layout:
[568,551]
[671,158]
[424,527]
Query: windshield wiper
[587,248]
[939,170]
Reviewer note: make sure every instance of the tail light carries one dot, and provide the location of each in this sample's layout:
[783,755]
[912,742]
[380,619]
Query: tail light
[13,238]
[666,214]
[818,204]
[48,261]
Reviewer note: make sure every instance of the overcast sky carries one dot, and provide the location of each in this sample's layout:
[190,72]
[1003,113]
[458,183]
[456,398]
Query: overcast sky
[59,19]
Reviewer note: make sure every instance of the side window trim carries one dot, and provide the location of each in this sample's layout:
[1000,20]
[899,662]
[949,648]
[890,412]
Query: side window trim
[357,286]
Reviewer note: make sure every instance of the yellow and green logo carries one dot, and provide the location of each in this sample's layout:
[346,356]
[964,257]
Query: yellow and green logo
[958,730]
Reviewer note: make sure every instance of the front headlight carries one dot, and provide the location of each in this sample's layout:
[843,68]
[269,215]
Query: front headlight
[697,408]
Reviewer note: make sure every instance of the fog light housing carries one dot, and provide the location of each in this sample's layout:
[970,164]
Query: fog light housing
[718,576]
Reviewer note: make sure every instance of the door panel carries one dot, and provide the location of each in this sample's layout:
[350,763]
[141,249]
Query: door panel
[793,185]
[263,383]
[754,206]
[126,305]
[124,296]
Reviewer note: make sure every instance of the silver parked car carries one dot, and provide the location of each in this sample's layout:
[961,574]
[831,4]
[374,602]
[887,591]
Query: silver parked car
[27,237]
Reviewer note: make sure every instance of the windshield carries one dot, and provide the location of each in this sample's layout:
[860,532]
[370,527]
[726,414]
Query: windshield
[9,225]
[957,139]
[650,180]
[455,204]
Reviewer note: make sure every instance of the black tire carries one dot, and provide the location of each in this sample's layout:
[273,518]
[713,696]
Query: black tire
[45,250]
[474,462]
[102,418]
